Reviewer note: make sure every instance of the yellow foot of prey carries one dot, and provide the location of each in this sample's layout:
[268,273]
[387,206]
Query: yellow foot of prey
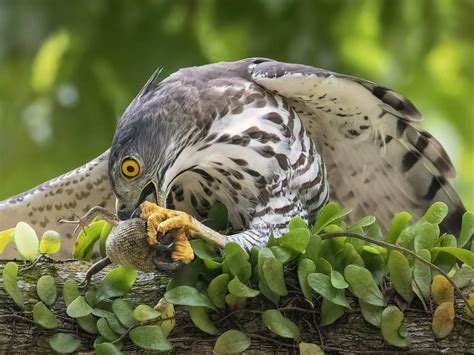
[179,225]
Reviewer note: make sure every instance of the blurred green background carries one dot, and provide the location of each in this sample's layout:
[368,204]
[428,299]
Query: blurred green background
[68,69]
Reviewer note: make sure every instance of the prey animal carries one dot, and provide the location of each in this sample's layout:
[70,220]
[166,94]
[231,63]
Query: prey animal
[269,140]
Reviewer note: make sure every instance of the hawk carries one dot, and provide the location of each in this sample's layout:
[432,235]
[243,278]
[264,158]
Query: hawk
[269,140]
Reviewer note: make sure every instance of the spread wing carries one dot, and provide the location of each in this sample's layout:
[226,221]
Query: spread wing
[378,160]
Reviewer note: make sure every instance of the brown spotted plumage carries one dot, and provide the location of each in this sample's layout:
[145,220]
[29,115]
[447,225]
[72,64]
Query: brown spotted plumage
[269,140]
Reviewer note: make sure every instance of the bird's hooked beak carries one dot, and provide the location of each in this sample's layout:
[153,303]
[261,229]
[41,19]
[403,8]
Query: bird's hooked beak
[150,192]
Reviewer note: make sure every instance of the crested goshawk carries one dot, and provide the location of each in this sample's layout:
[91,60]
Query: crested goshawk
[269,140]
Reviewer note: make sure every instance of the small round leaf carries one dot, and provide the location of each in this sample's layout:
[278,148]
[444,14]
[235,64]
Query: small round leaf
[239,289]
[9,276]
[44,317]
[64,343]
[322,284]
[149,337]
[232,341]
[26,241]
[188,296]
[280,325]
[117,282]
[124,312]
[50,242]
[363,285]
[217,290]
[143,313]
[78,308]
[201,319]
[107,349]
[105,331]
[46,289]
[70,291]
[393,327]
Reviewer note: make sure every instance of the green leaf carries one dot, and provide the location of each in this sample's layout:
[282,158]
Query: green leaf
[187,275]
[143,313]
[88,323]
[305,267]
[115,325]
[124,312]
[101,340]
[46,290]
[297,222]
[50,242]
[363,285]
[267,292]
[375,263]
[9,276]
[44,317]
[399,222]
[232,342]
[201,319]
[313,249]
[101,313]
[422,274]
[188,296]
[149,337]
[296,239]
[78,308]
[6,237]
[239,289]
[212,265]
[426,236]
[104,330]
[322,284]
[107,349]
[372,314]
[464,255]
[323,267]
[265,254]
[274,277]
[86,240]
[280,325]
[283,254]
[70,291]
[351,256]
[464,276]
[91,298]
[401,275]
[217,290]
[467,229]
[237,261]
[203,250]
[337,280]
[330,312]
[435,214]
[217,217]
[26,241]
[64,343]
[117,282]
[363,222]
[310,349]
[393,327]
[328,215]
[444,261]
[104,234]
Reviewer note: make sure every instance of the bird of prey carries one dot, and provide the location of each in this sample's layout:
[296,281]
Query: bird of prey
[269,140]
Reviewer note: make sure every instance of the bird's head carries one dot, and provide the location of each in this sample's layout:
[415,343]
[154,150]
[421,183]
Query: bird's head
[136,160]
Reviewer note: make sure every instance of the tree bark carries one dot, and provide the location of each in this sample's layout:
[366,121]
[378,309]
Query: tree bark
[350,334]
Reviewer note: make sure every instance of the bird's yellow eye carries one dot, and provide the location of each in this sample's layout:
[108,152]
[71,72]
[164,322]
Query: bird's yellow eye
[130,167]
